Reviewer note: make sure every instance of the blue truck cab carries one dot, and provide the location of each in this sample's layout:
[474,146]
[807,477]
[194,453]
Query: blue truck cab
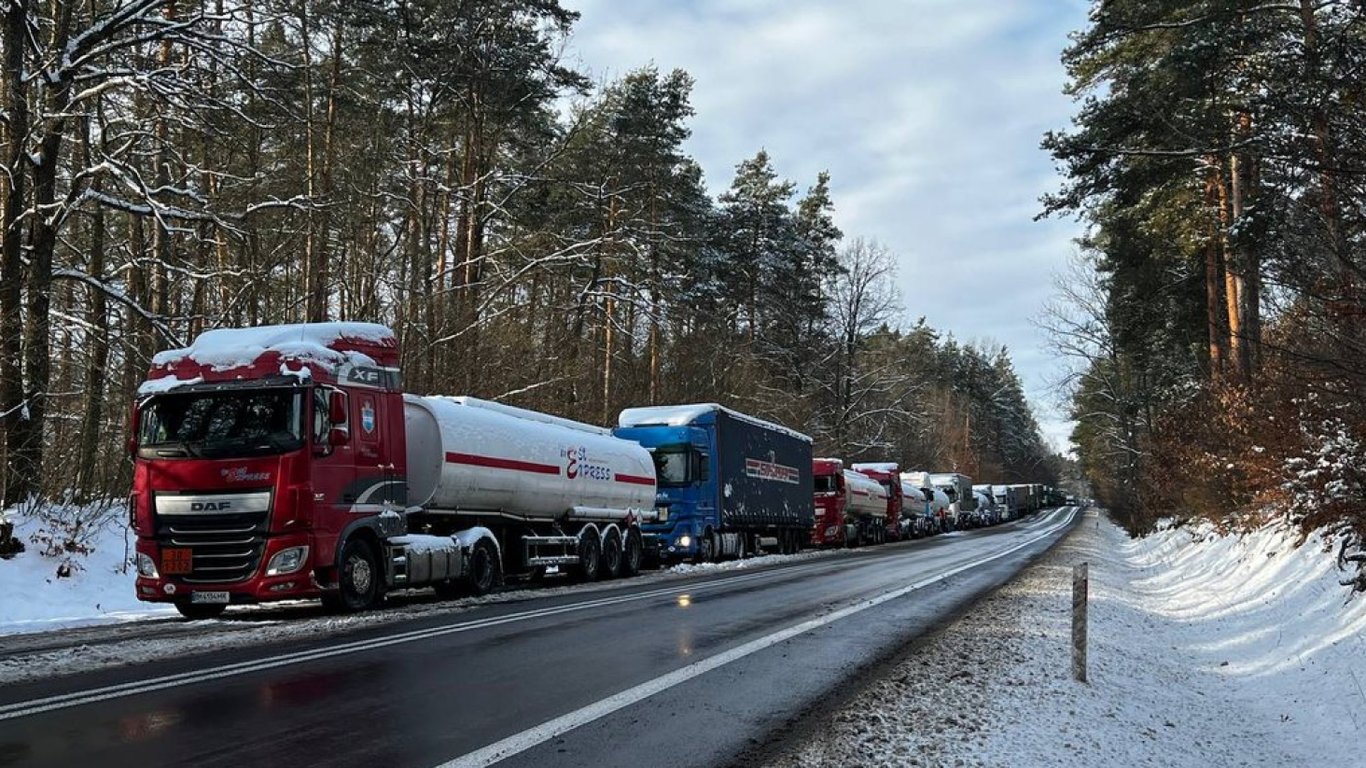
[728,484]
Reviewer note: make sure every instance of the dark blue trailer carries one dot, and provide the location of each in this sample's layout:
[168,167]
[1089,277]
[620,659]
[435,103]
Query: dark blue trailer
[728,484]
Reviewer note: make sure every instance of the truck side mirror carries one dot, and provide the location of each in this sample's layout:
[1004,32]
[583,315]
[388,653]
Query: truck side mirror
[338,436]
[336,407]
[134,425]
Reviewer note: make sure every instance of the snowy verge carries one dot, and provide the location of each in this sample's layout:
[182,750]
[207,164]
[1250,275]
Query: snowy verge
[1204,651]
[97,587]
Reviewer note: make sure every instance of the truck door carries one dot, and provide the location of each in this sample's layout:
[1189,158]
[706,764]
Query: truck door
[334,469]
[374,466]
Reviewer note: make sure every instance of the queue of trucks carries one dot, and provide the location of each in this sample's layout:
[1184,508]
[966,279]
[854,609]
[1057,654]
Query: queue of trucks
[287,462]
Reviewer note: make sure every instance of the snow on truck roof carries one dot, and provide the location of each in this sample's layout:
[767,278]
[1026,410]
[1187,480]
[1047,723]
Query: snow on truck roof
[890,467]
[227,348]
[683,415]
[328,346]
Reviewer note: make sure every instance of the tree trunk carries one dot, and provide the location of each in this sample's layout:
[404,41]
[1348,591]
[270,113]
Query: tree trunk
[15,484]
[1215,304]
[654,297]
[42,247]
[1242,172]
[1234,283]
[97,355]
[609,337]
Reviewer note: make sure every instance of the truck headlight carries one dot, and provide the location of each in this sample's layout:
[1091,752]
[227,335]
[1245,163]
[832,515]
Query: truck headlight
[147,568]
[685,541]
[287,560]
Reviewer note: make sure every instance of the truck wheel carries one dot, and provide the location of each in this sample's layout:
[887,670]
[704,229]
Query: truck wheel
[485,570]
[610,567]
[198,611]
[590,555]
[633,553]
[358,579]
[714,547]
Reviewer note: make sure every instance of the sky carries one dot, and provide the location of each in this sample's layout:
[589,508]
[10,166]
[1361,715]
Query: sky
[928,116]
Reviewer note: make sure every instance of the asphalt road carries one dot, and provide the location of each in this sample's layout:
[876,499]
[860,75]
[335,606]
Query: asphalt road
[699,671]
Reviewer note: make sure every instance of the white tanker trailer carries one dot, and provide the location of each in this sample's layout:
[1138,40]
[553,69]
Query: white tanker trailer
[472,455]
[865,508]
[549,491]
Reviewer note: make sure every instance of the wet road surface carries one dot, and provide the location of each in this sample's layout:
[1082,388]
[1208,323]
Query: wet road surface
[686,672]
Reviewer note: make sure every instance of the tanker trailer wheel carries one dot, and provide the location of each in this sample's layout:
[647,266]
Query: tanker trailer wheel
[610,567]
[632,554]
[358,579]
[197,611]
[485,570]
[590,555]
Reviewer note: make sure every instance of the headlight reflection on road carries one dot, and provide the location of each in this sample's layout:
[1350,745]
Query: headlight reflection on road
[684,601]
[143,726]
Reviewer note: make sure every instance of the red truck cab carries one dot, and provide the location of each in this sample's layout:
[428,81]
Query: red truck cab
[256,452]
[828,529]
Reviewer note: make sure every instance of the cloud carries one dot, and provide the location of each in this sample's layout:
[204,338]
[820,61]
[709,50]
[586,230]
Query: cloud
[928,114]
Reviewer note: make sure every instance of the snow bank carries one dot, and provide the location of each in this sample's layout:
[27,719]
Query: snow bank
[98,590]
[749,562]
[1204,651]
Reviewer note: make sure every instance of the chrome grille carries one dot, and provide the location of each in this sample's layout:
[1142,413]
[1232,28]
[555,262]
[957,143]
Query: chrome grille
[225,547]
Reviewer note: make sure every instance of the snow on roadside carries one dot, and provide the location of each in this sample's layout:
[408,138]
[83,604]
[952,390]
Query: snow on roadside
[749,562]
[1204,651]
[98,590]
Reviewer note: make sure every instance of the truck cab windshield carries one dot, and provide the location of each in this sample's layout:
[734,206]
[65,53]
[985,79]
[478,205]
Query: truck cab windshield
[826,484]
[673,465]
[222,424]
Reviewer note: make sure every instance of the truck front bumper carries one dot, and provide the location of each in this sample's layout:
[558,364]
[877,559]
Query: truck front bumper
[677,542]
[157,587]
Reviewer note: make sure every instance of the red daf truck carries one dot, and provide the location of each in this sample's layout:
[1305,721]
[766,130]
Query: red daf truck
[851,508]
[286,462]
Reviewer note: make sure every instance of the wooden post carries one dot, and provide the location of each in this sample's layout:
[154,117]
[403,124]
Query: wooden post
[1080,580]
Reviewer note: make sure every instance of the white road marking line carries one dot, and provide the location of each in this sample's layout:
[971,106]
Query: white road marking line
[521,742]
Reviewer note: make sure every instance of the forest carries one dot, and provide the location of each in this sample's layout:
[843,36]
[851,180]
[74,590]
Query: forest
[1215,310]
[436,165]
